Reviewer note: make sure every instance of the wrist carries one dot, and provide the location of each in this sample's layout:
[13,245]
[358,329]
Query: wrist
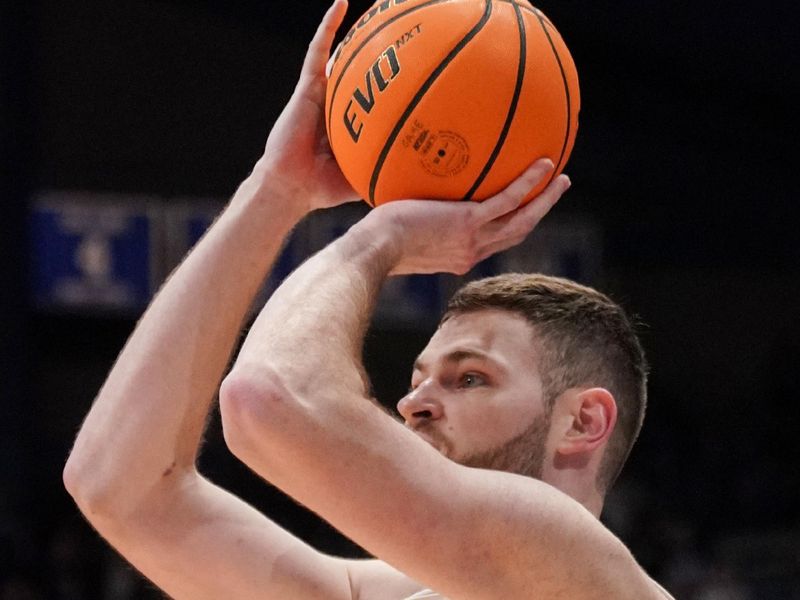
[376,239]
[265,189]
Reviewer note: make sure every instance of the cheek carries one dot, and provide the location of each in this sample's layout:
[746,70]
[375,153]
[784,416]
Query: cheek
[486,424]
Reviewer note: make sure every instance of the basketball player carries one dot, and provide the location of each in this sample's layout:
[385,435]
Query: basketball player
[522,407]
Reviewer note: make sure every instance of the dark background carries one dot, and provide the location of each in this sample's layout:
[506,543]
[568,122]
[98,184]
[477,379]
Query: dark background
[683,158]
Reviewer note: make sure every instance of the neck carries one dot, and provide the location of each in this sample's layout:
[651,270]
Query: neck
[578,485]
[594,504]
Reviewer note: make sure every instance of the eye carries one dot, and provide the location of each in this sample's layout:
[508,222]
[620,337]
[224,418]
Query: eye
[471,380]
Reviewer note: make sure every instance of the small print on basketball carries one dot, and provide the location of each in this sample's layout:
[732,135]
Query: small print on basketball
[450,99]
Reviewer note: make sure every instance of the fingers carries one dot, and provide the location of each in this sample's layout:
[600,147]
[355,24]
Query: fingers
[515,227]
[511,197]
[320,47]
[331,60]
[536,209]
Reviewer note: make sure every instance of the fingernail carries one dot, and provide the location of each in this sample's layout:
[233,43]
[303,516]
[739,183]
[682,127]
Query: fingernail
[567,181]
[547,163]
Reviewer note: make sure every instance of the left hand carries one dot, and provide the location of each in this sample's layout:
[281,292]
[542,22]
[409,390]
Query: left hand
[452,237]
[298,158]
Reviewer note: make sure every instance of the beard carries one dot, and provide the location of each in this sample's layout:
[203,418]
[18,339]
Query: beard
[523,454]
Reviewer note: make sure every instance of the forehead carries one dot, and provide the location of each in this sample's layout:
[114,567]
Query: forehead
[502,335]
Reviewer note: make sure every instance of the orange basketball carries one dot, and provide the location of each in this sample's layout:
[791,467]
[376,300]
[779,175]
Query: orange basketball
[449,99]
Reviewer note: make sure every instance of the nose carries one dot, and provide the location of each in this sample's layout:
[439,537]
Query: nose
[420,404]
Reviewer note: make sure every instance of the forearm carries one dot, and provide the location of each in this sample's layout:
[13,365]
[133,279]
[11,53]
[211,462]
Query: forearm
[149,417]
[298,387]
[324,309]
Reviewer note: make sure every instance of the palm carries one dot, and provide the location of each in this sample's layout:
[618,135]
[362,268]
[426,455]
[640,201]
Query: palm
[454,236]
[298,150]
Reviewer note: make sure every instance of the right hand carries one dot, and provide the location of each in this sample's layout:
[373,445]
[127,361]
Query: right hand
[429,236]
[297,157]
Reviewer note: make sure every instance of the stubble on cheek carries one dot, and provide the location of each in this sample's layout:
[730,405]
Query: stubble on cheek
[523,454]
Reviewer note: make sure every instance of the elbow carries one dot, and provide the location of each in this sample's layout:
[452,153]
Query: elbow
[105,490]
[255,408]
[111,496]
[71,477]
[81,482]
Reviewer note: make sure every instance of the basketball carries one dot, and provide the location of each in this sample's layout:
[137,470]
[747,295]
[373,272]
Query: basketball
[450,99]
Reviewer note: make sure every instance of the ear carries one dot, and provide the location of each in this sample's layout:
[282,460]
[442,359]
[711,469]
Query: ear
[593,414]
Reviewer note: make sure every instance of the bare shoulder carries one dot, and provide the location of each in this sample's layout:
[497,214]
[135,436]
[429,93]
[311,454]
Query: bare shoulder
[376,580]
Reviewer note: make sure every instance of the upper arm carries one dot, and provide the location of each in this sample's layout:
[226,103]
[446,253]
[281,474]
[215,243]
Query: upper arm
[487,534]
[467,533]
[522,537]
[196,541]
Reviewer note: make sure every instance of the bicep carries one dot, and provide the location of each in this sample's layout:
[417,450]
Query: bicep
[198,541]
[521,537]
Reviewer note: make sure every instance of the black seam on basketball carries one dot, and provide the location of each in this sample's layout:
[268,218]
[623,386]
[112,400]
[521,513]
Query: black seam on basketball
[512,109]
[420,94]
[566,92]
[534,11]
[361,47]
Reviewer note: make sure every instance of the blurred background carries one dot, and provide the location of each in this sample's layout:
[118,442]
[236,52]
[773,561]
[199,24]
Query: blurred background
[125,125]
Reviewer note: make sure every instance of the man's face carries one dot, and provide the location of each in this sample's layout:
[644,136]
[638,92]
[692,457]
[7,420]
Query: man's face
[476,393]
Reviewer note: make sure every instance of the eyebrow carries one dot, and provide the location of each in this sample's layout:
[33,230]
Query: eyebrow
[457,356]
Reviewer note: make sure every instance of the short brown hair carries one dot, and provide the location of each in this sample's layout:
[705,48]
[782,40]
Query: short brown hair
[586,339]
